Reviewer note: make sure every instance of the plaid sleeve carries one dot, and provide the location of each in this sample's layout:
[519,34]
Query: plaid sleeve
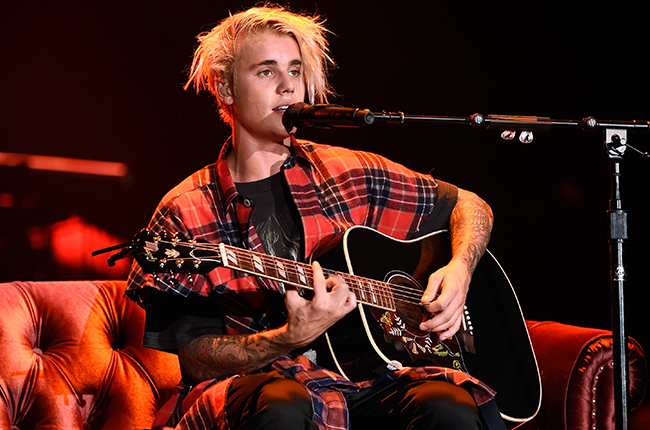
[362,188]
[189,210]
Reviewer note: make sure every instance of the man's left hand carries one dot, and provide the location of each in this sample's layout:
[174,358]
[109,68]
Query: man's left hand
[445,297]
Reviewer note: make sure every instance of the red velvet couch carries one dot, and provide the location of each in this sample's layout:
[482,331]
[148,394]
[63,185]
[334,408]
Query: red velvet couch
[71,358]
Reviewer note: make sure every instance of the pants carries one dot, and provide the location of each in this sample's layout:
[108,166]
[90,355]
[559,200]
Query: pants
[274,400]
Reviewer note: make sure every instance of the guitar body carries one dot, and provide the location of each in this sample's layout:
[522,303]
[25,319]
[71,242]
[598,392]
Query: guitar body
[497,349]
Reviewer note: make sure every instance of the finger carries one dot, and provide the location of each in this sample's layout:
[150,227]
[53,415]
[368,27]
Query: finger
[351,302]
[433,286]
[443,321]
[340,290]
[451,331]
[341,293]
[443,301]
[317,271]
[292,299]
[334,282]
[320,283]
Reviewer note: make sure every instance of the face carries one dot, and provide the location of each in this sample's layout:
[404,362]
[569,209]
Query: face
[267,76]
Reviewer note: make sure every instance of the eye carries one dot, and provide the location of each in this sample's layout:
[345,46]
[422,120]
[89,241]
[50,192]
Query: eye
[295,72]
[265,72]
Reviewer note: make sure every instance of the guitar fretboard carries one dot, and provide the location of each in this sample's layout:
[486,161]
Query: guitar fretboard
[367,291]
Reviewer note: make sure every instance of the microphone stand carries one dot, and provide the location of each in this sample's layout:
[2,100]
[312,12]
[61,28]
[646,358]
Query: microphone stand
[615,145]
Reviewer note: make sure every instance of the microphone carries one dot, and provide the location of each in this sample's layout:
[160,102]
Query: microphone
[300,115]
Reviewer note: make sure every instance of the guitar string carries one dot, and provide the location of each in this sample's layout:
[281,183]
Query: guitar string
[403,295]
[355,283]
[400,292]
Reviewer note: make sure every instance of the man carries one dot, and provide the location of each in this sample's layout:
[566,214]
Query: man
[242,341]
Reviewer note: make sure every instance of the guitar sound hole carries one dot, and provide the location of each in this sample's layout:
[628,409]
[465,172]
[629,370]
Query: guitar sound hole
[407,294]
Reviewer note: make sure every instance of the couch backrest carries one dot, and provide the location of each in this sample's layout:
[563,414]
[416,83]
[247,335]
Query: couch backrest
[71,358]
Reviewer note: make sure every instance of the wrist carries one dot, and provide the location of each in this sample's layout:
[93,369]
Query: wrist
[462,264]
[285,338]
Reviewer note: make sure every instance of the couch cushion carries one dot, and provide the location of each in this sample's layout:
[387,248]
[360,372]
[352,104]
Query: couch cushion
[72,358]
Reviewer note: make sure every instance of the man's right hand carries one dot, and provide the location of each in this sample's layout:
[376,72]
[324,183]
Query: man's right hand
[217,356]
[308,319]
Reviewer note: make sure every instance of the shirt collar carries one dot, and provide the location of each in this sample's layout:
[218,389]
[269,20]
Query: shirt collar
[299,151]
[226,185]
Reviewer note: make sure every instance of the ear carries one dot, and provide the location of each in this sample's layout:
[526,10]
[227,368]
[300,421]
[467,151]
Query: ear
[224,93]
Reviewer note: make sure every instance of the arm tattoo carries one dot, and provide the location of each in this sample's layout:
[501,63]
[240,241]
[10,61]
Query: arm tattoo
[470,225]
[215,356]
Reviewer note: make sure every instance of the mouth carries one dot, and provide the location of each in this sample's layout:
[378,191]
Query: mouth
[281,108]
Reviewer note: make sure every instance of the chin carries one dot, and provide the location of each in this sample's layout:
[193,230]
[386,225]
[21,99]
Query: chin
[286,141]
[282,135]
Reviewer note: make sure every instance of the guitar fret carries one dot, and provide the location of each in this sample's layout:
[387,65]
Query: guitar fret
[381,292]
[291,275]
[302,279]
[385,296]
[259,266]
[352,284]
[280,270]
[371,290]
[390,303]
[246,261]
[372,299]
[231,256]
[269,268]
[361,294]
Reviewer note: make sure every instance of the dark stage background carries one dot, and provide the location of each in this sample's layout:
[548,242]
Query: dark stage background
[103,81]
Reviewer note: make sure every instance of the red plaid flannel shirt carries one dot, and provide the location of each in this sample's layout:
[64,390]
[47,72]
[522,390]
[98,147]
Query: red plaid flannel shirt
[334,189]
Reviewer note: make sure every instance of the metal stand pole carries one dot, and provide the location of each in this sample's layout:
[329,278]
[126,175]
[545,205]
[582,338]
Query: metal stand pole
[615,145]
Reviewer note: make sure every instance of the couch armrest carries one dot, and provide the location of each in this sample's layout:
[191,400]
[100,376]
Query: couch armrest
[72,358]
[576,364]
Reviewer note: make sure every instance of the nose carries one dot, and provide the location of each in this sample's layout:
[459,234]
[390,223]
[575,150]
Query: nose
[287,85]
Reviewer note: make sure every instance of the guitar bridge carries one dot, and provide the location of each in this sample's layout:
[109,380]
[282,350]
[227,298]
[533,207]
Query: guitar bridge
[466,334]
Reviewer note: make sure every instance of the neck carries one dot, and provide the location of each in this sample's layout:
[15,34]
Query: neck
[251,160]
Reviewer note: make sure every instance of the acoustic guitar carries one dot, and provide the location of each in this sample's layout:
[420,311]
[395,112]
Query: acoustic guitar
[388,278]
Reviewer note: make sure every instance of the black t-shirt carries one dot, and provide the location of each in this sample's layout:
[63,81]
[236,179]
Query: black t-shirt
[173,321]
[275,216]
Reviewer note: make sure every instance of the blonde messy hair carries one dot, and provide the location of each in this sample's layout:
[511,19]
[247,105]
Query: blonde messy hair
[214,58]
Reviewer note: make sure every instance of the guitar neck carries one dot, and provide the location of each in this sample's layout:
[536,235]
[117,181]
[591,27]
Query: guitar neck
[367,291]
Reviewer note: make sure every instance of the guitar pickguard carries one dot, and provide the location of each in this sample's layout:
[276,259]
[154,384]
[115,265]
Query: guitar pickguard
[400,328]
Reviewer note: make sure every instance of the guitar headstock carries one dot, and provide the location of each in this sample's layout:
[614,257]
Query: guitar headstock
[169,253]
